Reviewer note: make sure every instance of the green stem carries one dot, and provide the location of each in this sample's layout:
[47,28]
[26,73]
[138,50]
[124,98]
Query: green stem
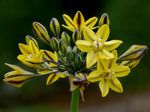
[75,100]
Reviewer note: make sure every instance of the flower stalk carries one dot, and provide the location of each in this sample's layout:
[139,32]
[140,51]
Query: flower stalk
[75,100]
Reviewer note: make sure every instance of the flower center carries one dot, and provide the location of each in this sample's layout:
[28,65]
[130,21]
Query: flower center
[97,45]
[109,75]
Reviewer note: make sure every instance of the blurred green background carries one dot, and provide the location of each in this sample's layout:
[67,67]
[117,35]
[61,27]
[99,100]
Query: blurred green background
[130,22]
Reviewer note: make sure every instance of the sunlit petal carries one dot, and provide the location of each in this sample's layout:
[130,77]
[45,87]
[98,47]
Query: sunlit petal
[84,46]
[111,45]
[91,59]
[94,76]
[121,71]
[91,22]
[103,85]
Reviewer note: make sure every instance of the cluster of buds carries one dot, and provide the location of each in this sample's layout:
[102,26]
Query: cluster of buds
[84,56]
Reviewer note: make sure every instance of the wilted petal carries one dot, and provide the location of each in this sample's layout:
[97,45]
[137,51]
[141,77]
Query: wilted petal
[121,71]
[91,59]
[94,76]
[115,85]
[111,45]
[103,85]
[91,22]
[84,46]
[103,32]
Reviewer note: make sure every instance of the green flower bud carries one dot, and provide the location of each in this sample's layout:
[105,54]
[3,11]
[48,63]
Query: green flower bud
[70,55]
[65,38]
[41,32]
[133,55]
[28,38]
[55,27]
[76,36]
[62,47]
[104,19]
[54,44]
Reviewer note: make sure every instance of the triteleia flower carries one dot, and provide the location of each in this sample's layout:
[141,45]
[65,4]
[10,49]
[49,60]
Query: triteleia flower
[78,22]
[107,73]
[18,76]
[96,45]
[31,55]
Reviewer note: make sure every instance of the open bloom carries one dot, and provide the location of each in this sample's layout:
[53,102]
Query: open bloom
[78,22]
[18,76]
[107,73]
[31,55]
[96,45]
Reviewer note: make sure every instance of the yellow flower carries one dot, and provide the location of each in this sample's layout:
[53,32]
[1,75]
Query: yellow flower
[107,73]
[78,22]
[18,76]
[96,45]
[31,55]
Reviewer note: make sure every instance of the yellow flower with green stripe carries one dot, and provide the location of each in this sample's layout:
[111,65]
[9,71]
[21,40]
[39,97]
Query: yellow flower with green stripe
[107,72]
[78,22]
[31,55]
[96,45]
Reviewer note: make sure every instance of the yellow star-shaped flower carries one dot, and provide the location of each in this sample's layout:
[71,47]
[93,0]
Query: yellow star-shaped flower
[31,55]
[96,45]
[107,72]
[78,22]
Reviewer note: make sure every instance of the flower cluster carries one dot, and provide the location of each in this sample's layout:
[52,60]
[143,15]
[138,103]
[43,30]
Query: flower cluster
[84,55]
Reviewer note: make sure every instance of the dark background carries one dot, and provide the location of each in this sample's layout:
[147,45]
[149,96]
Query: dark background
[130,22]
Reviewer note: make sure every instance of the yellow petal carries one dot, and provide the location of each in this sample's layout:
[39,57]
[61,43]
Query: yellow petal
[84,46]
[121,71]
[25,49]
[103,85]
[33,47]
[91,59]
[79,20]
[69,21]
[88,34]
[111,45]
[103,54]
[100,66]
[103,32]
[52,78]
[69,28]
[94,76]
[115,85]
[50,56]
[91,22]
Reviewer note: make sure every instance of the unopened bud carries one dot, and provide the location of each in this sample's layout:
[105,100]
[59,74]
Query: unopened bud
[65,38]
[54,44]
[135,52]
[133,55]
[29,38]
[55,27]
[76,36]
[104,19]
[62,47]
[41,32]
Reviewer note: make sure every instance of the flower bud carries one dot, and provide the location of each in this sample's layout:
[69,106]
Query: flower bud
[104,19]
[133,55]
[55,27]
[54,44]
[28,38]
[135,52]
[41,32]
[65,38]
[62,47]
[70,54]
[76,36]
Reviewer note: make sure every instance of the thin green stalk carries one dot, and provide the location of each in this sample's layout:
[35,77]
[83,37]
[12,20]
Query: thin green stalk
[75,100]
